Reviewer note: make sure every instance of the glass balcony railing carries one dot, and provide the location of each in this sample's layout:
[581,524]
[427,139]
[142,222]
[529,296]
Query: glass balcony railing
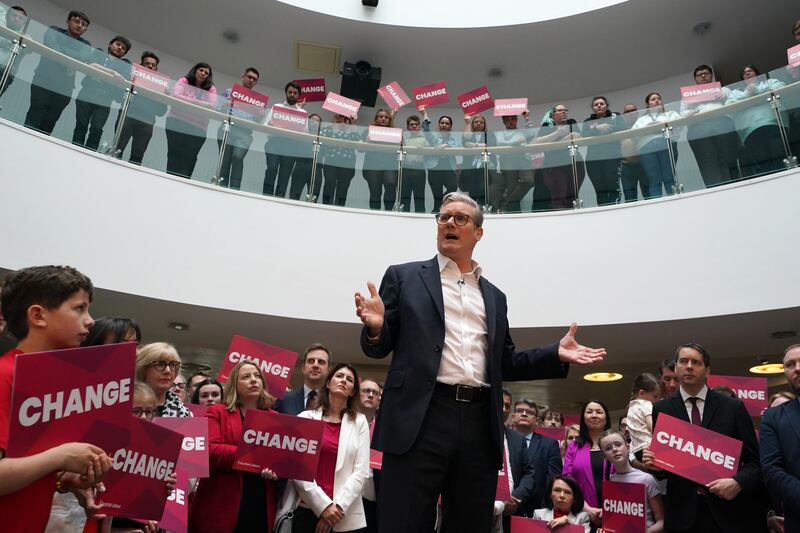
[61,86]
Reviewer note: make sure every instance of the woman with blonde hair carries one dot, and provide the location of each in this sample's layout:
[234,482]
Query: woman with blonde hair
[232,500]
[380,168]
[158,364]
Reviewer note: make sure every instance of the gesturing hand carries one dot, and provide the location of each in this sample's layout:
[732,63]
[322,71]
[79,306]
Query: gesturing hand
[569,351]
[370,310]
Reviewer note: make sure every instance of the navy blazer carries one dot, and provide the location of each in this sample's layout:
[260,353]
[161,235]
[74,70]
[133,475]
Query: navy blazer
[293,402]
[521,467]
[743,514]
[413,330]
[545,456]
[780,458]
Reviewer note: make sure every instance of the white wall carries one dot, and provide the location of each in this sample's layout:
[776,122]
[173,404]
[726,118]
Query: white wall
[725,251]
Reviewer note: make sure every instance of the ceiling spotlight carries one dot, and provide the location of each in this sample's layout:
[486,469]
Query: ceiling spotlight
[495,72]
[767,368]
[231,35]
[787,334]
[178,326]
[602,377]
[701,28]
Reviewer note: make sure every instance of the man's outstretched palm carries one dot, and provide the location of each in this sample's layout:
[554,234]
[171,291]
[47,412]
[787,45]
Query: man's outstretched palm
[569,351]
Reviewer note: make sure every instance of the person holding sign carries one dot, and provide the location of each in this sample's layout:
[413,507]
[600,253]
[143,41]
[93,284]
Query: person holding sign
[557,174]
[282,153]
[332,501]
[158,364]
[231,500]
[616,451]
[729,505]
[440,425]
[380,168]
[46,308]
[239,137]
[566,504]
[338,162]
[442,178]
[472,180]
[516,176]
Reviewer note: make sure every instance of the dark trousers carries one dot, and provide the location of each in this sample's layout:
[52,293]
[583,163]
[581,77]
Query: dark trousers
[184,142]
[509,187]
[236,149]
[657,166]
[381,182]
[603,175]
[92,117]
[704,520]
[283,167]
[371,514]
[45,110]
[337,183]
[301,177]
[560,182]
[763,151]
[138,131]
[441,181]
[715,152]
[9,81]
[413,186]
[304,521]
[473,182]
[452,456]
[632,174]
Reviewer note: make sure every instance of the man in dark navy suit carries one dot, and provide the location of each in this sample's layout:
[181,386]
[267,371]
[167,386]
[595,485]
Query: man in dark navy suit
[522,473]
[780,445]
[726,505]
[440,425]
[316,362]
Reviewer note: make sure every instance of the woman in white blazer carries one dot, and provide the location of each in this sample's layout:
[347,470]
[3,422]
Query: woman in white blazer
[566,505]
[333,500]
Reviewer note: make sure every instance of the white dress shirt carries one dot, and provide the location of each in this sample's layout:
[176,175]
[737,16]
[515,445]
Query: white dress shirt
[701,401]
[466,340]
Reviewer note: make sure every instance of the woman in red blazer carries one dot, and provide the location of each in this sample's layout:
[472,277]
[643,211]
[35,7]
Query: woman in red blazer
[231,500]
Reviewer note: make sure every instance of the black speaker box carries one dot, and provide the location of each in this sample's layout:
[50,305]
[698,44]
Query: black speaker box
[360,81]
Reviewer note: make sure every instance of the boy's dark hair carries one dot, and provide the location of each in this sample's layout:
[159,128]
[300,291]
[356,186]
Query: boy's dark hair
[147,54]
[122,39]
[698,68]
[252,69]
[80,14]
[18,8]
[48,286]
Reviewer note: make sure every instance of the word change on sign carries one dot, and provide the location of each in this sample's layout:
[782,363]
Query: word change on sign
[248,99]
[275,363]
[520,524]
[176,511]
[793,55]
[385,135]
[475,101]
[504,481]
[510,107]
[136,483]
[75,395]
[707,92]
[288,445]
[694,452]
[194,449]
[624,507]
[430,95]
[752,391]
[394,96]
[144,77]
[336,103]
[289,118]
[312,90]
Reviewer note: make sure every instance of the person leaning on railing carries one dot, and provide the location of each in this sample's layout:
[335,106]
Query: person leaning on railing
[472,178]
[442,178]
[516,171]
[380,168]
[602,160]
[557,175]
[15,19]
[338,162]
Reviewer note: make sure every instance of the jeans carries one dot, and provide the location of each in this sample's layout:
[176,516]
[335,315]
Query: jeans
[236,148]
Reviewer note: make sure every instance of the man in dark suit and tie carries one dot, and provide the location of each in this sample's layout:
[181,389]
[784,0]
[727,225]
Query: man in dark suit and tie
[780,445]
[316,361]
[440,425]
[727,505]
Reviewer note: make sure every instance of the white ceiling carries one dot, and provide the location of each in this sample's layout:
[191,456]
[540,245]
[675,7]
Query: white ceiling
[621,46]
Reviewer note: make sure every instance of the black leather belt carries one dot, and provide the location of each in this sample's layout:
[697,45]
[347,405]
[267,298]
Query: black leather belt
[463,393]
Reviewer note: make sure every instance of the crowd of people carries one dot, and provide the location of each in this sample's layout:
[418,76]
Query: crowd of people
[745,142]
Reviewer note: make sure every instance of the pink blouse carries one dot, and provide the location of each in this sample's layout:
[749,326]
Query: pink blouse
[195,95]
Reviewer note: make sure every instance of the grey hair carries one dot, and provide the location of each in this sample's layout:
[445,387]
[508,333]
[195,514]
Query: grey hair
[458,196]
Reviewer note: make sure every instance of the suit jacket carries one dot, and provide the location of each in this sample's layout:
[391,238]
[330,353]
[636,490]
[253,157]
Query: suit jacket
[578,465]
[521,472]
[545,456]
[413,329]
[215,506]
[780,458]
[743,514]
[293,402]
[352,469]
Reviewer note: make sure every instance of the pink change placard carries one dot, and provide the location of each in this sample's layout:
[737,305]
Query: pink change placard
[136,483]
[312,90]
[197,410]
[430,95]
[336,103]
[707,92]
[793,56]
[624,507]
[694,452]
[176,511]
[394,96]
[752,391]
[557,434]
[385,135]
[276,363]
[520,524]
[248,99]
[76,395]
[144,77]
[475,101]
[571,419]
[289,118]
[288,445]
[504,486]
[510,106]
[194,448]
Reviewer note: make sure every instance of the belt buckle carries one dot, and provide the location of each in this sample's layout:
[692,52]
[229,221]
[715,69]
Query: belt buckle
[463,393]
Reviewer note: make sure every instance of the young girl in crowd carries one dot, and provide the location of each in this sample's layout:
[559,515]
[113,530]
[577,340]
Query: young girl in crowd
[208,392]
[566,504]
[615,449]
[646,391]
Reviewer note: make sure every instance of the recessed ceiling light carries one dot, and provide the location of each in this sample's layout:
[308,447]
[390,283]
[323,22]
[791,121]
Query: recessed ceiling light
[178,326]
[767,368]
[601,377]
